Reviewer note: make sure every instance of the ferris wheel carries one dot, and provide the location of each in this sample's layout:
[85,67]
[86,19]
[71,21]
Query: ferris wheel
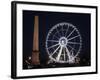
[63,43]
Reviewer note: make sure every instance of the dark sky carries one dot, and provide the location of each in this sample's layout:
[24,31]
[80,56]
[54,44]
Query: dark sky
[46,21]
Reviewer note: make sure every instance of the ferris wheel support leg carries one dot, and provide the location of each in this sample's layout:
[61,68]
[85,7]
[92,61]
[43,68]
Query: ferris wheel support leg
[50,61]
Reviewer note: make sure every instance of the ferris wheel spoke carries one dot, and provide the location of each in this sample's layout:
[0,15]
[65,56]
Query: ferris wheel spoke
[53,46]
[71,47]
[59,54]
[62,31]
[74,37]
[55,50]
[55,37]
[71,32]
[52,40]
[66,31]
[74,43]
[58,32]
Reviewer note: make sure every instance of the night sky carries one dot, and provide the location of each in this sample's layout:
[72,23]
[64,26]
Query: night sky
[46,21]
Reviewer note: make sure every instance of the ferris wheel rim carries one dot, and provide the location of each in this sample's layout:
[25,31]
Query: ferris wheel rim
[55,26]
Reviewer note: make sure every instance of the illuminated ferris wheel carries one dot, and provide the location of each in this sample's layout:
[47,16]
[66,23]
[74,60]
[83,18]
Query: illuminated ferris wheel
[63,43]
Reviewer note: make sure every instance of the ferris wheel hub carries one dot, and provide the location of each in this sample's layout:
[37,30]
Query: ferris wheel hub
[63,41]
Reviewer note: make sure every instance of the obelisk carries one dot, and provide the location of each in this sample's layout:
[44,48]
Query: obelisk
[35,52]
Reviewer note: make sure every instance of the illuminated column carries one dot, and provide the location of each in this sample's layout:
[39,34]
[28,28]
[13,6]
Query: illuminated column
[35,52]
